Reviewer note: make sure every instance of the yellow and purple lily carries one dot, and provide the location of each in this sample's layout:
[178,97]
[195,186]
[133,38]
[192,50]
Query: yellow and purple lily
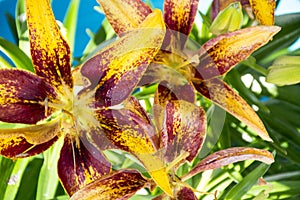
[50,104]
[180,75]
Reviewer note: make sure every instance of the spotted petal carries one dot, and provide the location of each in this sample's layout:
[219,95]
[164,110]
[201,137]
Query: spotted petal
[221,94]
[23,96]
[125,15]
[184,129]
[119,185]
[49,50]
[129,129]
[80,163]
[19,147]
[117,69]
[229,156]
[222,53]
[179,15]
[186,194]
[264,11]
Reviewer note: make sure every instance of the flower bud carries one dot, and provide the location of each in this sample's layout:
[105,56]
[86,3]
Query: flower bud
[284,71]
[229,19]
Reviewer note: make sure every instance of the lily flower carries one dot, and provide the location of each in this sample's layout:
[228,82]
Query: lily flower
[49,104]
[180,75]
[263,10]
[181,138]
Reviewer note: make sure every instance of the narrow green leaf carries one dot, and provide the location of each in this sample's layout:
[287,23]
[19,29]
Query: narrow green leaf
[70,21]
[4,63]
[15,178]
[6,168]
[19,58]
[27,188]
[104,33]
[21,25]
[289,33]
[246,184]
[48,178]
[12,25]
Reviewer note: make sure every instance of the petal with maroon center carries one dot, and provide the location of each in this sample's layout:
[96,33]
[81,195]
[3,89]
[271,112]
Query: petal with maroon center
[117,185]
[118,15]
[179,16]
[129,129]
[184,130]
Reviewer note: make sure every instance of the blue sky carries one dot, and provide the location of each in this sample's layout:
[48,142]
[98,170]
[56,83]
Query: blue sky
[89,18]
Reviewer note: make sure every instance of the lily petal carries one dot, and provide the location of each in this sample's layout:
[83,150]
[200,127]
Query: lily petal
[80,163]
[184,129]
[49,50]
[129,130]
[229,156]
[186,194]
[179,15]
[119,185]
[221,94]
[219,55]
[117,69]
[23,95]
[125,15]
[34,134]
[18,147]
[264,11]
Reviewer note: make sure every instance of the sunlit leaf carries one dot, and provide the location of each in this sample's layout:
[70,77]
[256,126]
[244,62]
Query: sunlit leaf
[220,54]
[118,15]
[119,185]
[70,21]
[49,50]
[242,187]
[48,172]
[18,57]
[221,94]
[228,156]
[14,181]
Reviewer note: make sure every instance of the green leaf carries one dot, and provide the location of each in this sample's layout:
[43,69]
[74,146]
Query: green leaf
[251,179]
[27,188]
[4,63]
[70,22]
[19,58]
[12,25]
[21,25]
[289,33]
[104,33]
[48,178]
[15,178]
[6,168]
